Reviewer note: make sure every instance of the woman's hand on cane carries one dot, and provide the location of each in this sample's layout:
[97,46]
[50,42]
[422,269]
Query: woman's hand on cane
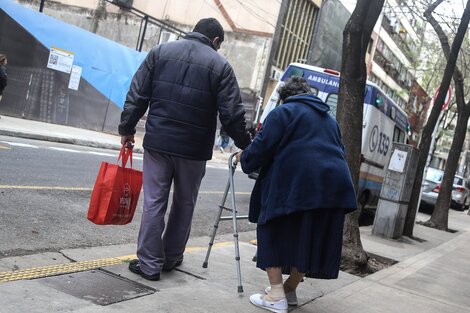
[238,156]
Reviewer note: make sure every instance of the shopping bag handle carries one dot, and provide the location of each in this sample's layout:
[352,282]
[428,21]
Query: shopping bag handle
[125,154]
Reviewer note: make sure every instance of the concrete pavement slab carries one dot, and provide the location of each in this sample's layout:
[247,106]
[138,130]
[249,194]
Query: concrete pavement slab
[91,253]
[403,248]
[413,264]
[378,298]
[433,281]
[457,220]
[28,261]
[443,279]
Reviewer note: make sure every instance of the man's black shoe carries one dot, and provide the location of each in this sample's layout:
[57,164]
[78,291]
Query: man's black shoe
[134,267]
[167,268]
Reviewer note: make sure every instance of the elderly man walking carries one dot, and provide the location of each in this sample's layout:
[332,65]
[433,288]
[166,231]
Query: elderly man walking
[183,84]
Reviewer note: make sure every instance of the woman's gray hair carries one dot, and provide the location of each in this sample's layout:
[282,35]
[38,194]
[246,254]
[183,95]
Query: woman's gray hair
[296,85]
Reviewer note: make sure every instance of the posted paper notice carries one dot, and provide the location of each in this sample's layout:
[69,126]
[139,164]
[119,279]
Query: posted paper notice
[75,76]
[397,162]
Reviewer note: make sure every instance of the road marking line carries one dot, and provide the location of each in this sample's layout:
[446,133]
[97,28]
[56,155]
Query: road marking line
[74,267]
[45,188]
[20,144]
[64,149]
[102,154]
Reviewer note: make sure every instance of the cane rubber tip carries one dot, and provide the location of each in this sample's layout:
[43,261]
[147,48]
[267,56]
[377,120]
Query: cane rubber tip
[204,265]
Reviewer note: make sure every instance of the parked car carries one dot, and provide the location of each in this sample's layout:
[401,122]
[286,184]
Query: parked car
[432,185]
[460,193]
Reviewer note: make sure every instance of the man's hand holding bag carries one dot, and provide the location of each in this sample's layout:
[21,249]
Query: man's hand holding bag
[116,192]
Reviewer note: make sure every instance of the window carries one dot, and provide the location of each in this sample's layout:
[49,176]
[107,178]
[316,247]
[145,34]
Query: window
[332,101]
[434,175]
[296,33]
[458,181]
[313,91]
[398,135]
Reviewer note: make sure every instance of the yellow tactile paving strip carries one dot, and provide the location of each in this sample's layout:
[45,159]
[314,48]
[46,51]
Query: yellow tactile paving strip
[52,270]
[74,267]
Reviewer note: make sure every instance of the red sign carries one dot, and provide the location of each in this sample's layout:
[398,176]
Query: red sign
[446,100]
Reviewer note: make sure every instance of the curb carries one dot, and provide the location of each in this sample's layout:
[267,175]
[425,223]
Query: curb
[80,142]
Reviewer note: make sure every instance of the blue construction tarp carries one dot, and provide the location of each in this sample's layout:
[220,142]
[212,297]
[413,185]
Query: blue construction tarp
[106,65]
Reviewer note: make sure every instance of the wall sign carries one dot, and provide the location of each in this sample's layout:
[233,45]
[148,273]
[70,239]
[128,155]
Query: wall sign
[60,60]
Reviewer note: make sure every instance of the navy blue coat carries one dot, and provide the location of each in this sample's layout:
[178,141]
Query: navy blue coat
[301,155]
[184,84]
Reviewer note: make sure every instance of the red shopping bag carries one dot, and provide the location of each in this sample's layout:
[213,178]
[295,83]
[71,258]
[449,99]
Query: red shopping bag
[116,192]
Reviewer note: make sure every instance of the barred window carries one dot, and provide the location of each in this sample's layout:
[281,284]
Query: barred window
[296,33]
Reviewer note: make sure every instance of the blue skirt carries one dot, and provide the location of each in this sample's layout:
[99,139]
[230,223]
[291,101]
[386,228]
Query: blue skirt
[309,240]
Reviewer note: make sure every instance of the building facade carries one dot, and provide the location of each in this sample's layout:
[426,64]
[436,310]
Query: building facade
[390,60]
[293,39]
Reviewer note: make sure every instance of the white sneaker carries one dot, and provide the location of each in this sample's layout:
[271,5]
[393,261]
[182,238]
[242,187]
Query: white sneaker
[290,296]
[279,306]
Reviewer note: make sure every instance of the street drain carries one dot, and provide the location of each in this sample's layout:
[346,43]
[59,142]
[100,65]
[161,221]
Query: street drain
[97,286]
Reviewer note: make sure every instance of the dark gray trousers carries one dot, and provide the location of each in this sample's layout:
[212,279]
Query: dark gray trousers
[157,244]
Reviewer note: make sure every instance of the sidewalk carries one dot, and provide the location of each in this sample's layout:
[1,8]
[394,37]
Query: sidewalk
[431,276]
[23,128]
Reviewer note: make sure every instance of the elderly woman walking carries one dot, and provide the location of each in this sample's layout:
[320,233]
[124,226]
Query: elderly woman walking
[301,195]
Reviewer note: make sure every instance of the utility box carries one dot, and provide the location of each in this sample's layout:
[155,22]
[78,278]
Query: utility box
[396,191]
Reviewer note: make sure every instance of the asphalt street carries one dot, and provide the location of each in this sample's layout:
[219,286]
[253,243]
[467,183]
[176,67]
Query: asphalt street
[45,189]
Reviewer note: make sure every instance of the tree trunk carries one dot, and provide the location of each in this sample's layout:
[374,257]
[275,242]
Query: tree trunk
[356,37]
[440,216]
[425,142]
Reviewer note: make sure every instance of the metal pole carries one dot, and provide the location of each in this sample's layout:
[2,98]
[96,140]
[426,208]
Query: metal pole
[138,36]
[41,6]
[146,20]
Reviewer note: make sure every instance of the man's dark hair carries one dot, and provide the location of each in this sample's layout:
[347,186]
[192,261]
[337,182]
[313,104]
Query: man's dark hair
[294,86]
[210,28]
